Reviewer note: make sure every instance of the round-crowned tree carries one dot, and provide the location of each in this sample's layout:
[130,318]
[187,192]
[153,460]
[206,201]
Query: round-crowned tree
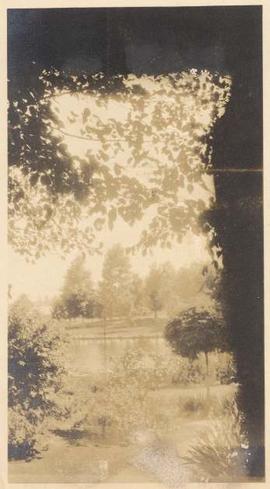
[196,331]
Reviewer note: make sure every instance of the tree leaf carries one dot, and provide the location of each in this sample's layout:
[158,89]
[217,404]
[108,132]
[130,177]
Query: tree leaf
[112,214]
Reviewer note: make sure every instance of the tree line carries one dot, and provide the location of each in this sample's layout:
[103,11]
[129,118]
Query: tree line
[121,292]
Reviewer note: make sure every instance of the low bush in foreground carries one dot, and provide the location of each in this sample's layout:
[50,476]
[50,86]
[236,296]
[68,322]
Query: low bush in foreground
[203,405]
[220,453]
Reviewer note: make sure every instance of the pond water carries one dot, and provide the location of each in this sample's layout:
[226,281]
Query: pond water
[94,354]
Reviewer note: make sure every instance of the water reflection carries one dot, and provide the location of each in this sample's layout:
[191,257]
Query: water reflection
[93,354]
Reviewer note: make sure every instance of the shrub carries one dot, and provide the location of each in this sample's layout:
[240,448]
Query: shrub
[221,452]
[211,405]
[59,310]
[226,372]
[121,403]
[24,438]
[160,369]
[189,372]
[117,407]
[35,378]
[202,405]
[192,405]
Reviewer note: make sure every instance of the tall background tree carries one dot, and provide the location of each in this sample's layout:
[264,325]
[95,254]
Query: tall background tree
[153,284]
[115,290]
[78,296]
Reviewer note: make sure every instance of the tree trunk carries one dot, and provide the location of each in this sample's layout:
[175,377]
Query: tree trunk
[105,344]
[207,375]
[238,221]
[239,226]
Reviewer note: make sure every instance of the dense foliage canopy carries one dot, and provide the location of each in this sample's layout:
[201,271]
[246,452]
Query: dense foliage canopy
[196,331]
[35,377]
[148,141]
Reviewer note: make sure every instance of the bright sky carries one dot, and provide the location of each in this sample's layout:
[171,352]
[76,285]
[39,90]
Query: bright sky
[45,278]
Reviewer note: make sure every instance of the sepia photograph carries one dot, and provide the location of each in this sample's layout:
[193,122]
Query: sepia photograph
[135,245]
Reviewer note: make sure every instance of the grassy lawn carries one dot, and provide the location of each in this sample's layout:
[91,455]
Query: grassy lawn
[88,459]
[115,327]
[89,462]
[65,462]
